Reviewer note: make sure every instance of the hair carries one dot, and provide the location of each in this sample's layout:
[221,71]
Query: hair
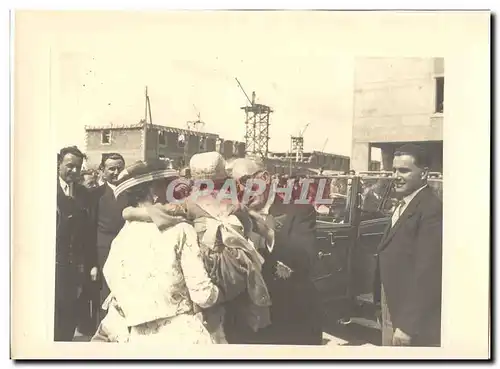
[112,156]
[88,172]
[73,150]
[139,193]
[418,153]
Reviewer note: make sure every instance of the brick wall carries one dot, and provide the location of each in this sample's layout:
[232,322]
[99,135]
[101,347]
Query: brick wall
[126,142]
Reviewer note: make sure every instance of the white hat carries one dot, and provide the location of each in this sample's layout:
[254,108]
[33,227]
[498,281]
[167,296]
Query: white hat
[208,165]
[246,166]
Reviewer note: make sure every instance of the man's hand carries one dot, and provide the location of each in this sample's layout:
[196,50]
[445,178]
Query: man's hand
[93,274]
[263,226]
[400,338]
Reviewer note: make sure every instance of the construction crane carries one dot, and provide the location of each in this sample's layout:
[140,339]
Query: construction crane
[147,108]
[301,134]
[252,102]
[324,145]
[297,144]
[196,125]
[197,112]
[256,126]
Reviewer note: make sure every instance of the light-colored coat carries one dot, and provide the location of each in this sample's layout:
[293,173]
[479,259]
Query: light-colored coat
[155,278]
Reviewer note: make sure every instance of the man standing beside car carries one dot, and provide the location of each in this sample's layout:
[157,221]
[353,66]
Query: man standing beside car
[410,256]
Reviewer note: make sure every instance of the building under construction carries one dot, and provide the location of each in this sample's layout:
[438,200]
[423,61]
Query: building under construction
[146,141]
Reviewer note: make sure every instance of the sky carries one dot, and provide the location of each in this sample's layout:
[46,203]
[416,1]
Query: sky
[102,62]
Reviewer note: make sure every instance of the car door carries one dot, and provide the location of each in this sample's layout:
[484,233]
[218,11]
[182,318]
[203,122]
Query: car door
[335,238]
[375,211]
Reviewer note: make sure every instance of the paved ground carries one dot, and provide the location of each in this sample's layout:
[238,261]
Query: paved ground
[359,332]
[362,329]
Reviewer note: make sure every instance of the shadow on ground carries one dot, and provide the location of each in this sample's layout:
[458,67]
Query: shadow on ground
[351,325]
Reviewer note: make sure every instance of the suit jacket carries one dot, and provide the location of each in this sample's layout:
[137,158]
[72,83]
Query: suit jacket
[106,219]
[74,253]
[295,312]
[410,266]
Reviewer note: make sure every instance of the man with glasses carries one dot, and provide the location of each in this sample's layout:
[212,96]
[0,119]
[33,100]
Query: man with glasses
[284,233]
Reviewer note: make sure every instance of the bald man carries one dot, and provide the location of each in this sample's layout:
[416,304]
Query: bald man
[288,253]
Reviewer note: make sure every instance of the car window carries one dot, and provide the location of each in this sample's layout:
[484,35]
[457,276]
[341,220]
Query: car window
[338,190]
[373,191]
[436,184]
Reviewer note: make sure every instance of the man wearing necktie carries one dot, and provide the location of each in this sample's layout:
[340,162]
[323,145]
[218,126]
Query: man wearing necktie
[285,235]
[74,254]
[410,256]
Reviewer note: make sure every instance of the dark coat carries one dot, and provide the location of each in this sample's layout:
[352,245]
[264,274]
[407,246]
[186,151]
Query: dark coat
[410,266]
[295,311]
[106,223]
[75,256]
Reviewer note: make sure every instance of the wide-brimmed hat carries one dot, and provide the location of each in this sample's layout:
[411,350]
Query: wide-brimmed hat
[142,172]
[208,165]
[247,166]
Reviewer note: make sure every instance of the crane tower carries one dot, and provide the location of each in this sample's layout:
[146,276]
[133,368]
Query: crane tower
[297,145]
[256,126]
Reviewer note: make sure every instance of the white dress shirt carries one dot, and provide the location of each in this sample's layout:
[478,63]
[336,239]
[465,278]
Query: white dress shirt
[402,206]
[113,187]
[67,188]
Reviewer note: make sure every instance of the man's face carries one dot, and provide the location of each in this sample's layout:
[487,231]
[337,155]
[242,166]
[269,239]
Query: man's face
[70,167]
[112,167]
[248,172]
[409,177]
[89,180]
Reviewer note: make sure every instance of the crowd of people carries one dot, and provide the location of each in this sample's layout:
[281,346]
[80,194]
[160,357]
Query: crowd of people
[148,253]
[134,265]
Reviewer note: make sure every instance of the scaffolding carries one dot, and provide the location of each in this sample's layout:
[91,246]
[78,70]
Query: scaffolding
[256,127]
[297,145]
[297,148]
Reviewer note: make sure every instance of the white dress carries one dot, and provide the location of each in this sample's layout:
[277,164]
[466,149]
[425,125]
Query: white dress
[154,278]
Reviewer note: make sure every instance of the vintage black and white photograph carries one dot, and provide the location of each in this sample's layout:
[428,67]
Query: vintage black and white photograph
[230,178]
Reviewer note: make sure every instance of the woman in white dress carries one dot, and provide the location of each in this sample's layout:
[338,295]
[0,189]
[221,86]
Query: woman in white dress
[155,277]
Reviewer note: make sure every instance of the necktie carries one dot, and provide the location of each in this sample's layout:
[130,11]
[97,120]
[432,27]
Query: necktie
[267,225]
[397,211]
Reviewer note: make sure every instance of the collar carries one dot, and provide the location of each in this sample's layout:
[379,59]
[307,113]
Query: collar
[265,209]
[411,196]
[63,183]
[112,186]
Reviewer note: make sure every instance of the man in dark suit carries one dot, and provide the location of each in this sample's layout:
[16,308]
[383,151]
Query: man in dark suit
[75,256]
[285,235]
[410,256]
[106,214]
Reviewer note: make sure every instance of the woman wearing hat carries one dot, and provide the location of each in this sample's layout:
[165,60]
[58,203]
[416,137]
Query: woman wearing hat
[156,277]
[221,225]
